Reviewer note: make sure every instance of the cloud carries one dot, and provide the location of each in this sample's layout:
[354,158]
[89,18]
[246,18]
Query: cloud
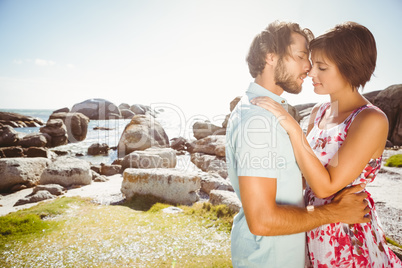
[17,61]
[71,66]
[41,62]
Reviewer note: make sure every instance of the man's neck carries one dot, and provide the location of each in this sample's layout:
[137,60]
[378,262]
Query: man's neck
[268,84]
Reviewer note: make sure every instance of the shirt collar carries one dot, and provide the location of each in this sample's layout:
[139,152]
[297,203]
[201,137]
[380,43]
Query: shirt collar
[255,90]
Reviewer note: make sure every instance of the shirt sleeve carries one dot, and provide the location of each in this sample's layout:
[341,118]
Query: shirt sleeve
[256,150]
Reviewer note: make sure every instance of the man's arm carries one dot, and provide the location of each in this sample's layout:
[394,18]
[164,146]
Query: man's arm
[267,218]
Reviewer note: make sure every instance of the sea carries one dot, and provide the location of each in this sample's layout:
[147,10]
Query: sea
[175,124]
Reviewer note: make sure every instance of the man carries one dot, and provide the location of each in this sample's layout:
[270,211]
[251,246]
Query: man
[268,231]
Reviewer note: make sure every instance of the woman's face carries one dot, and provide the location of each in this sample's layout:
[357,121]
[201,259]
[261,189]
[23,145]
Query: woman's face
[326,76]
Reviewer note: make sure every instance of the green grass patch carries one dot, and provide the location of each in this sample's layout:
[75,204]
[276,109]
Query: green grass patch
[394,161]
[143,202]
[219,215]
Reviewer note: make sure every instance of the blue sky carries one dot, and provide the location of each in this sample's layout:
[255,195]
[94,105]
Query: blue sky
[188,53]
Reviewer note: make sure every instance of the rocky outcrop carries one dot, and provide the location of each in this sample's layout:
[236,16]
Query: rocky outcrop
[76,125]
[110,170]
[210,163]
[12,151]
[8,136]
[212,181]
[34,198]
[205,129]
[141,133]
[26,171]
[173,186]
[35,140]
[97,109]
[230,199]
[67,171]
[98,149]
[57,130]
[150,158]
[19,120]
[127,114]
[389,101]
[214,145]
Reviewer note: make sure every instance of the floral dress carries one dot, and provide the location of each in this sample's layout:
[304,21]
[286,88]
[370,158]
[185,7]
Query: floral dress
[339,244]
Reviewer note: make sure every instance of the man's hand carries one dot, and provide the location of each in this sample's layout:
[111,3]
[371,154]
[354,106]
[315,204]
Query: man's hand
[350,205]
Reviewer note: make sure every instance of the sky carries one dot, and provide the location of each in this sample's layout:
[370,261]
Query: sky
[188,54]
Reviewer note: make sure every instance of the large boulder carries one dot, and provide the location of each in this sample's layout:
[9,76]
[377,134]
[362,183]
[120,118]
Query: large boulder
[8,136]
[141,133]
[150,158]
[12,151]
[214,145]
[230,199]
[205,129]
[389,101]
[67,171]
[35,140]
[19,120]
[173,186]
[26,171]
[57,130]
[76,125]
[97,109]
[98,149]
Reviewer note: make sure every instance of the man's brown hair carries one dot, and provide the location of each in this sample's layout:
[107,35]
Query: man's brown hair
[352,48]
[276,38]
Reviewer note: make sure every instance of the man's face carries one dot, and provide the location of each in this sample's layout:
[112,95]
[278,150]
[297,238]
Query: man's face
[291,70]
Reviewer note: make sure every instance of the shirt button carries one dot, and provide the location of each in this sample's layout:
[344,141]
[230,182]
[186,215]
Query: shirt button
[282,101]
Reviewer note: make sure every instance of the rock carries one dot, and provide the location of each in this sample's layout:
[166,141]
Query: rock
[178,144]
[8,136]
[210,163]
[172,210]
[110,170]
[37,197]
[20,120]
[62,110]
[226,121]
[97,109]
[96,177]
[76,125]
[370,96]
[96,168]
[123,106]
[150,158]
[234,102]
[212,181]
[141,133]
[127,113]
[139,109]
[25,171]
[14,151]
[54,189]
[38,152]
[34,140]
[205,129]
[67,171]
[230,199]
[389,101]
[173,186]
[98,149]
[56,129]
[214,145]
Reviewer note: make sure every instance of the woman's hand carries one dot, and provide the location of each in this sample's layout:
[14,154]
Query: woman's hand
[284,118]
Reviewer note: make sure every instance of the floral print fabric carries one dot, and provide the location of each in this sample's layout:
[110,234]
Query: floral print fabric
[339,244]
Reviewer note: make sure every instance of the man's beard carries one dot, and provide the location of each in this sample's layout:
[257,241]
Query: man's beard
[284,79]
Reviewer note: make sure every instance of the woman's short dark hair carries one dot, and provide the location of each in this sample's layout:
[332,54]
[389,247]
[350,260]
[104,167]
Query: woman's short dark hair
[276,38]
[352,48]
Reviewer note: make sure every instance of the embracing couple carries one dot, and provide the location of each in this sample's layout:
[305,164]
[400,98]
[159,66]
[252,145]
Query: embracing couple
[334,223]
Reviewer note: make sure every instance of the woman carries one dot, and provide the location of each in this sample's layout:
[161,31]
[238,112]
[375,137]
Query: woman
[347,137]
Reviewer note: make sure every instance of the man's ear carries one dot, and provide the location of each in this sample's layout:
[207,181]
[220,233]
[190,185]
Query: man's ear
[271,58]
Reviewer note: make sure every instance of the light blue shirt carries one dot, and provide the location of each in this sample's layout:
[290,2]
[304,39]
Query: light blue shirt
[257,145]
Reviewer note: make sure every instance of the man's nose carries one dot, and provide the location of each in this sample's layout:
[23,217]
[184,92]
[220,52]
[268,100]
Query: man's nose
[307,68]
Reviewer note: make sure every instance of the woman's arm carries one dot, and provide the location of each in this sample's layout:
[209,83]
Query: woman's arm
[366,135]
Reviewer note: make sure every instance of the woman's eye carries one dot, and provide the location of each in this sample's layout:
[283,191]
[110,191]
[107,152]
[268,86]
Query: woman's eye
[321,69]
